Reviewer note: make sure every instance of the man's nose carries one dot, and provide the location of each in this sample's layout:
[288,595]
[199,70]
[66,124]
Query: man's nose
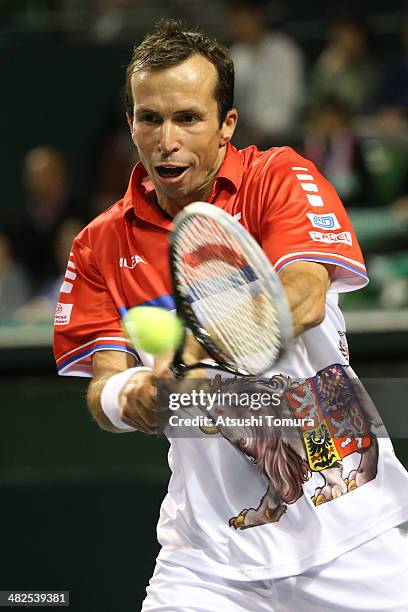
[169,138]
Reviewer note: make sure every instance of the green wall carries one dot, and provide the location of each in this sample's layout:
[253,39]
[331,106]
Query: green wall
[58,95]
[79,506]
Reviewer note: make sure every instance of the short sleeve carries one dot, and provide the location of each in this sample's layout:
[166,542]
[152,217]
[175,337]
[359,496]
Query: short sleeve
[86,318]
[302,218]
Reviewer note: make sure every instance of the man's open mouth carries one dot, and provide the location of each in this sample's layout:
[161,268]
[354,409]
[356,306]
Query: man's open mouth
[170,171]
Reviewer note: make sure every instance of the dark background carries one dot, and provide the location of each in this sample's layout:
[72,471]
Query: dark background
[79,506]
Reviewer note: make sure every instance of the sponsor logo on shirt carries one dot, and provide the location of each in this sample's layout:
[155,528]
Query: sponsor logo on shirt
[331,238]
[134,261]
[327,221]
[62,314]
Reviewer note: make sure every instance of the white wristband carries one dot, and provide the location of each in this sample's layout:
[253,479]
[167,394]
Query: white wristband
[110,398]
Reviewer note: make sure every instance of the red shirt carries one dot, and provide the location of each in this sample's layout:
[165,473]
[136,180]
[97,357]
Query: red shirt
[120,259]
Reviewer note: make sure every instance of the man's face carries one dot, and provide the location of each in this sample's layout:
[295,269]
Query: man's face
[176,130]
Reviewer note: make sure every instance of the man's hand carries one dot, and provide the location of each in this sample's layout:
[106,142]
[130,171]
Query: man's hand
[138,402]
[138,399]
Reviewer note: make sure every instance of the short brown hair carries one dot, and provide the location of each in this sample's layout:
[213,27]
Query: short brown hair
[171,45]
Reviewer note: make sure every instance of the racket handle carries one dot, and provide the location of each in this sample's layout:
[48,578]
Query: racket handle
[178,368]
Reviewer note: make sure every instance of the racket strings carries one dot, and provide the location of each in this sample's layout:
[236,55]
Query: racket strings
[225,289]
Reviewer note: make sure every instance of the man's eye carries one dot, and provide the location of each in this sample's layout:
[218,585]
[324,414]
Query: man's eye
[149,118]
[188,118]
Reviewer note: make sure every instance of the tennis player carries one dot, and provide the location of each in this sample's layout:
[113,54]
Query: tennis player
[322,528]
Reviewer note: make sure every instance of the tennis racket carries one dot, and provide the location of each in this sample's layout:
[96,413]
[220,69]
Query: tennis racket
[226,293]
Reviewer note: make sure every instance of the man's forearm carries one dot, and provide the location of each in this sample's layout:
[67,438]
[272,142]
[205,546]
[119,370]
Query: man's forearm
[305,288]
[105,364]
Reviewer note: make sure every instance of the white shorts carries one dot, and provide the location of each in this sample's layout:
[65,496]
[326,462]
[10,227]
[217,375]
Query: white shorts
[372,577]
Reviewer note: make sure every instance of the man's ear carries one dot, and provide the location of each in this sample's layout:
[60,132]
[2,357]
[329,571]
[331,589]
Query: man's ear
[228,126]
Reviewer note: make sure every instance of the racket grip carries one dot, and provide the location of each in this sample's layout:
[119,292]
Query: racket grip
[178,369]
[178,366]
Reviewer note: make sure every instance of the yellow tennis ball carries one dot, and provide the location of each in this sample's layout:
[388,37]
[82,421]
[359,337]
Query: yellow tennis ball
[153,330]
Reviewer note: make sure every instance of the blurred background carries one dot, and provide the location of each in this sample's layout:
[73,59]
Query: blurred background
[79,506]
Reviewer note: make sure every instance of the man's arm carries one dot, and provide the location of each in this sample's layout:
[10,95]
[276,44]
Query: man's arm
[137,400]
[305,284]
[137,403]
